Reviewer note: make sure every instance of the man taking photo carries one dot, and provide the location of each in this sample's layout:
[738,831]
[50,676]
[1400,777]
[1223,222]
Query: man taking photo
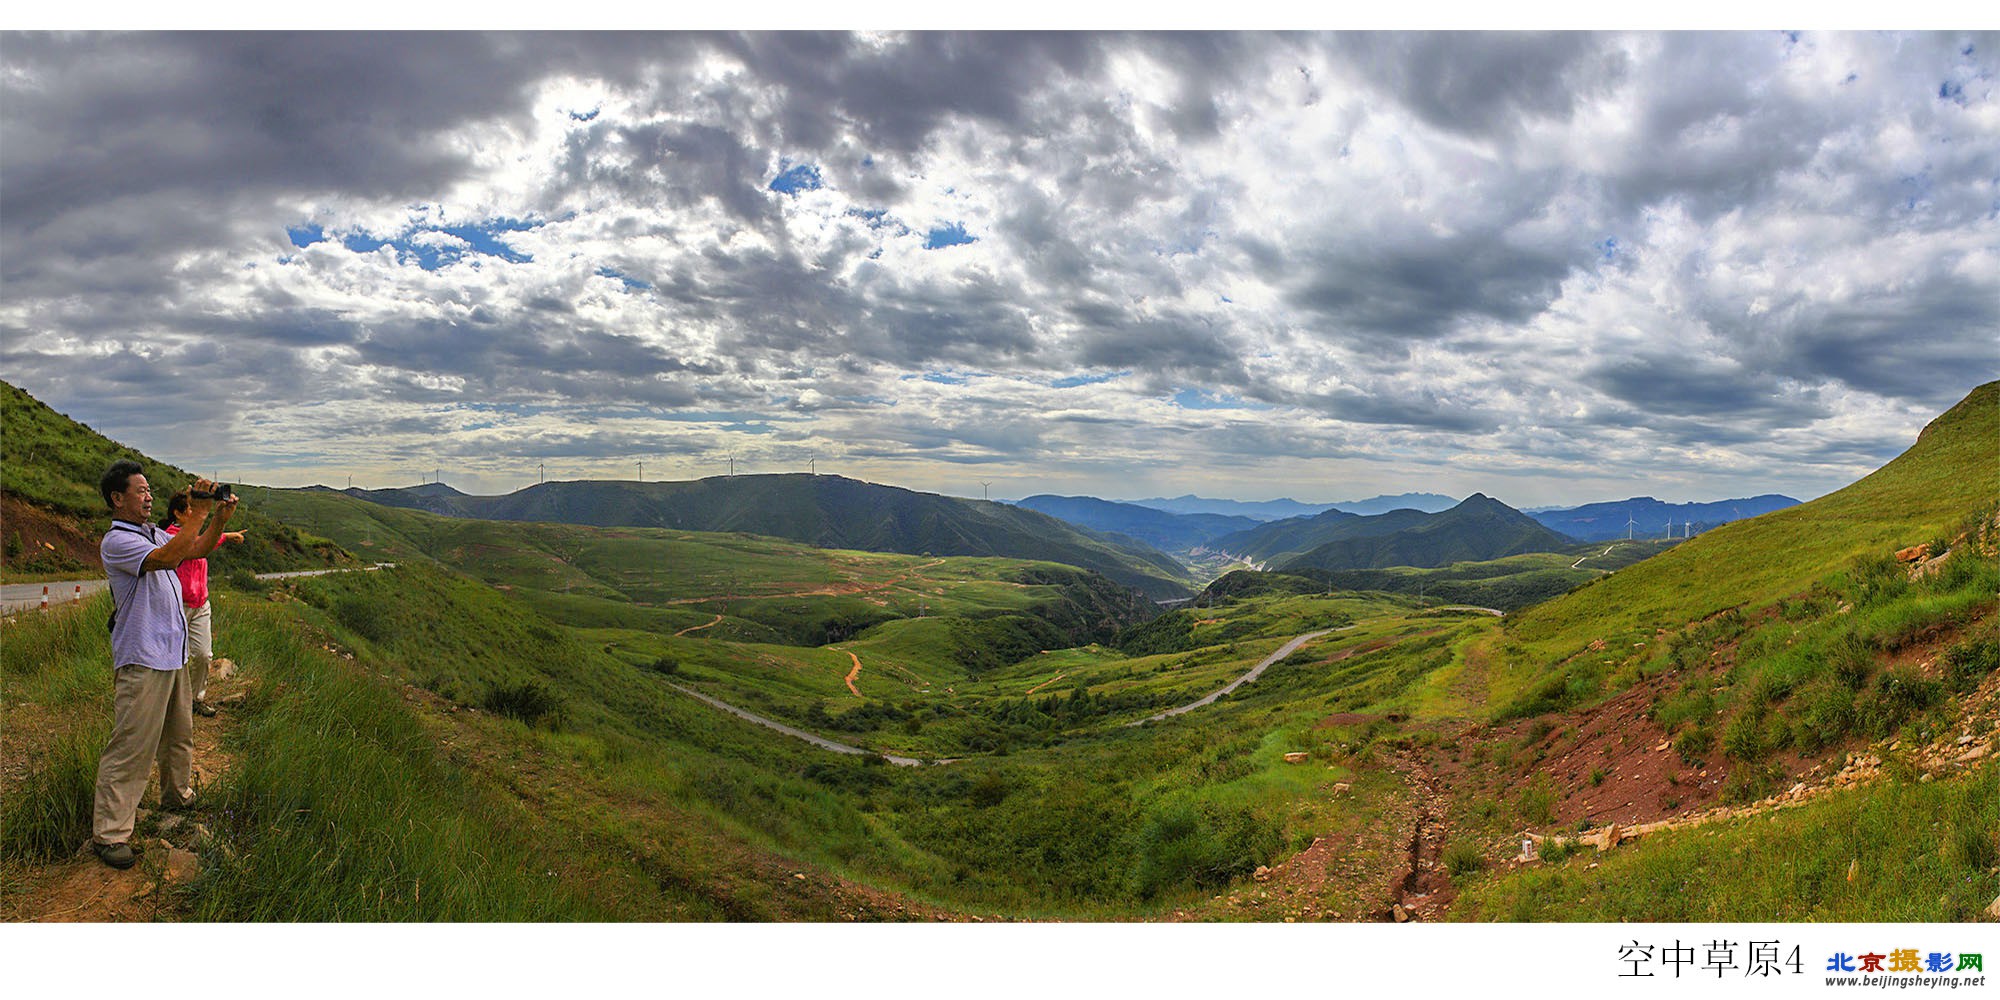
[153,713]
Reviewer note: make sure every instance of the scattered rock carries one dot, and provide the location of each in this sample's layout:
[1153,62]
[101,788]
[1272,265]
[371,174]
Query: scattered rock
[1262,874]
[1402,916]
[234,699]
[181,865]
[1297,757]
[221,668]
[1915,553]
[1993,909]
[1342,787]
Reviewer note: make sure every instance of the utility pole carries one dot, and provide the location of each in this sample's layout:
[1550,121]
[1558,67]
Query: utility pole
[541,473]
[642,472]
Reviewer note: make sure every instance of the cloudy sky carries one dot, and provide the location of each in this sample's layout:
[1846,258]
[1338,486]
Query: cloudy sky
[1552,268]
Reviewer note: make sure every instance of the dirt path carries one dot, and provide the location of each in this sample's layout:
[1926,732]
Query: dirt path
[697,628]
[1423,888]
[1046,683]
[79,888]
[855,674]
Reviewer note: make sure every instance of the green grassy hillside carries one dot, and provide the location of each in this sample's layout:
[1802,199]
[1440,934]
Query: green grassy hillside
[49,466]
[823,511]
[1943,485]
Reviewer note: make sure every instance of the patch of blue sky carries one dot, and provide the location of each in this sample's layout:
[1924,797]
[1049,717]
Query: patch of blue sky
[423,248]
[631,284]
[1607,248]
[953,235]
[1073,381]
[800,177]
[1201,399]
[584,116]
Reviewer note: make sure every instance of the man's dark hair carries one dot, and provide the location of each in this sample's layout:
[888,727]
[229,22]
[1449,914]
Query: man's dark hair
[117,477]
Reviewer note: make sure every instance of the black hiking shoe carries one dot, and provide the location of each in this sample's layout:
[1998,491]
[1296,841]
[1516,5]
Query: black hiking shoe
[204,709]
[119,856]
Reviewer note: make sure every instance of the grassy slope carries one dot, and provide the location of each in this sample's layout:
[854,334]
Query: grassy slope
[1951,474]
[828,511]
[52,463]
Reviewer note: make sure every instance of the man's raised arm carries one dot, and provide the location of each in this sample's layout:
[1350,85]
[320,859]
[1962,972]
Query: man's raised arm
[210,516]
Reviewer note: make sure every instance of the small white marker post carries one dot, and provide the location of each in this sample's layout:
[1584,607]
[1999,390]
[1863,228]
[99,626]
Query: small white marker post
[79,592]
[45,598]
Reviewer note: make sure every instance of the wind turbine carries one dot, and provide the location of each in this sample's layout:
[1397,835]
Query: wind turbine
[1629,522]
[982,490]
[1687,530]
[1670,528]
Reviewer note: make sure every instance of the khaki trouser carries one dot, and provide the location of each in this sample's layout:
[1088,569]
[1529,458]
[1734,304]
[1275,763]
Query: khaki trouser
[153,719]
[201,650]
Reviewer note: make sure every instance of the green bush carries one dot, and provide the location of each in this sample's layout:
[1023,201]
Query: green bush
[1967,663]
[1694,743]
[1462,858]
[527,701]
[1743,738]
[1536,803]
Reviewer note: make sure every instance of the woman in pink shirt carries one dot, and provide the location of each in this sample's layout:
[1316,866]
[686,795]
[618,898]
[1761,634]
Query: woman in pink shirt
[194,594]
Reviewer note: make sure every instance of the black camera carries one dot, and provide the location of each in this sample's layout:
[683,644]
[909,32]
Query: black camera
[220,492]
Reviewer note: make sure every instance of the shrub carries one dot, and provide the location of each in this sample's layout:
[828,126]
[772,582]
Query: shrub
[1743,739]
[1693,743]
[1750,783]
[1461,859]
[528,701]
[1536,804]
[665,665]
[1967,663]
[1828,715]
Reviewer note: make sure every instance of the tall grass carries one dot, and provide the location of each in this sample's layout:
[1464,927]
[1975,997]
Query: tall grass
[340,808]
[48,815]
[1921,852]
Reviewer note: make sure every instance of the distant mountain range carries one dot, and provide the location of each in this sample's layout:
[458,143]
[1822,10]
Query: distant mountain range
[1161,529]
[1478,528]
[824,511]
[1647,517]
[1283,508]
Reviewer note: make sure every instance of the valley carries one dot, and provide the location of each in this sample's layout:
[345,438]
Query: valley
[683,724]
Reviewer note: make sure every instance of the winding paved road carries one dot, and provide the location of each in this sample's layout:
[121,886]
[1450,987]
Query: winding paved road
[818,741]
[22,596]
[1255,672]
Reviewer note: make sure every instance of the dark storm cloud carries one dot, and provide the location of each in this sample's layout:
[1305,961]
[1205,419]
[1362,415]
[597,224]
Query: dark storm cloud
[1486,83]
[897,95]
[1899,346]
[1724,397]
[1421,288]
